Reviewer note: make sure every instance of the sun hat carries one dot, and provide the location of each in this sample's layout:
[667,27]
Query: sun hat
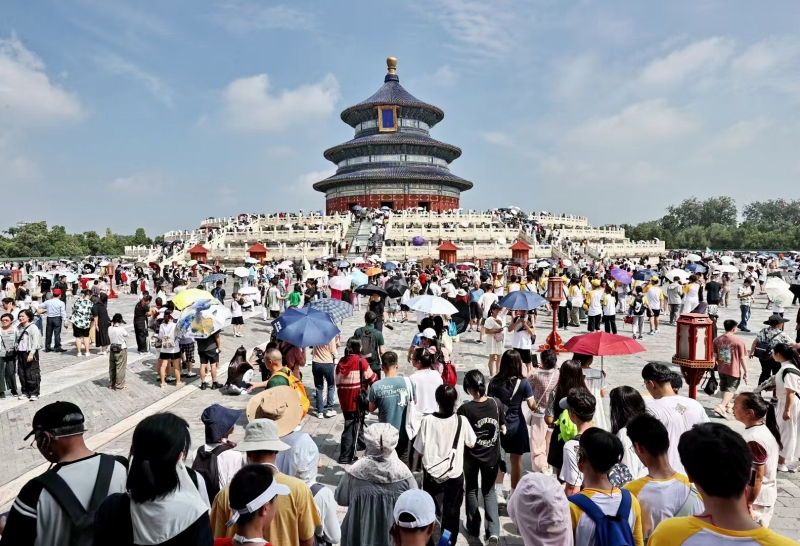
[540,510]
[775,320]
[218,421]
[419,505]
[461,292]
[429,333]
[261,435]
[279,404]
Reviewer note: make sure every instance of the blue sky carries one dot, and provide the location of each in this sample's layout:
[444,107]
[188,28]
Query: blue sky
[159,114]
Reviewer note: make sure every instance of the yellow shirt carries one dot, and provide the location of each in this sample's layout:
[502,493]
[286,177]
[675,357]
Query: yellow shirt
[583,526]
[693,531]
[296,515]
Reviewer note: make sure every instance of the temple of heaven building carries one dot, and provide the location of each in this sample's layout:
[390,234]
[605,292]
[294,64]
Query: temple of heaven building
[392,161]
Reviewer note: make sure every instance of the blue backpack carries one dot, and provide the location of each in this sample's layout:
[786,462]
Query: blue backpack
[609,530]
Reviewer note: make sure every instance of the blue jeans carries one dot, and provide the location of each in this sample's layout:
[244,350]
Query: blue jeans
[745,309]
[323,372]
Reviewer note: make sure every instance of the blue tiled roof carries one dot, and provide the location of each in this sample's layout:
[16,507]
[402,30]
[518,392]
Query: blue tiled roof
[381,142]
[421,173]
[392,93]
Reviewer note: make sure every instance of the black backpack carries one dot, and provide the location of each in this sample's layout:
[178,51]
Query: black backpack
[205,464]
[81,519]
[370,349]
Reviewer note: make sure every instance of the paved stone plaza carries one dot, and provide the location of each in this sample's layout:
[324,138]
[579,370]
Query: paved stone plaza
[111,416]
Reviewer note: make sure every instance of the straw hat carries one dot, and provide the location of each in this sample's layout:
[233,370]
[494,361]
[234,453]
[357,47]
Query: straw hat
[279,404]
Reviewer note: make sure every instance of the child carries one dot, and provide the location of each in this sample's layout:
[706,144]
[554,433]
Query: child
[295,296]
[253,482]
[237,320]
[609,311]
[637,310]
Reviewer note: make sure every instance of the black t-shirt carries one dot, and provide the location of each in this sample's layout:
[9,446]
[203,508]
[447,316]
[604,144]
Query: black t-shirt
[310,294]
[140,313]
[377,308]
[206,344]
[486,419]
[45,285]
[713,291]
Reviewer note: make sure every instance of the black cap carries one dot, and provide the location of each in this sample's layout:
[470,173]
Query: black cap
[55,416]
[118,319]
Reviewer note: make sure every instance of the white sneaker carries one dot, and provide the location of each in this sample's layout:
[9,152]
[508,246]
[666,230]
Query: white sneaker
[34,398]
[320,415]
[330,413]
[783,468]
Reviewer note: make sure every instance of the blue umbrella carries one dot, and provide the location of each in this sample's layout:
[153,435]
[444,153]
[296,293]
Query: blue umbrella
[214,277]
[522,300]
[5,272]
[643,275]
[356,207]
[305,327]
[359,278]
[695,268]
[389,266]
[337,309]
[343,263]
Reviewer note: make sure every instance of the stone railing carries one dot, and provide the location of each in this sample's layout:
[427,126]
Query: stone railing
[238,252]
[484,251]
[482,217]
[628,249]
[285,235]
[590,233]
[400,234]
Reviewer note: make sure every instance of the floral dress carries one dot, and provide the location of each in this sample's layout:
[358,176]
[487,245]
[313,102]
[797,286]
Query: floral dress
[82,315]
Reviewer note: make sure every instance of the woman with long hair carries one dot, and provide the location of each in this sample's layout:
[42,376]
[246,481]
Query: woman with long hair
[627,403]
[166,502]
[101,322]
[570,376]
[488,421]
[764,439]
[512,389]
[787,387]
[240,372]
[141,313]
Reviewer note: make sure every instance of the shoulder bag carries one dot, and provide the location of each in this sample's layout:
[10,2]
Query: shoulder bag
[439,470]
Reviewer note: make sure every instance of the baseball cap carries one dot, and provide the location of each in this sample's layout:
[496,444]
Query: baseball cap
[56,415]
[429,333]
[417,504]
[57,292]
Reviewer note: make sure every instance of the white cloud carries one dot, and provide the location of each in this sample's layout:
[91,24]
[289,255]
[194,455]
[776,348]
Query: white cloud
[142,185]
[27,96]
[116,65]
[241,16]
[742,133]
[304,182]
[249,105]
[771,63]
[639,123]
[696,59]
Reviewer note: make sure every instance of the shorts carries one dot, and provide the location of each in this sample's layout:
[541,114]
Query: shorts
[238,321]
[274,314]
[728,383]
[187,352]
[653,313]
[210,356]
[80,332]
[169,356]
[475,311]
[404,308]
[525,354]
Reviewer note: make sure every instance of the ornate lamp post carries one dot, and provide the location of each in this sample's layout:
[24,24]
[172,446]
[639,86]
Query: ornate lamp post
[555,293]
[693,351]
[110,272]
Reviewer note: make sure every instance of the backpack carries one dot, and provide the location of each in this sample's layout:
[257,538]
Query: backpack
[81,519]
[449,376]
[205,464]
[298,386]
[370,349]
[318,540]
[609,530]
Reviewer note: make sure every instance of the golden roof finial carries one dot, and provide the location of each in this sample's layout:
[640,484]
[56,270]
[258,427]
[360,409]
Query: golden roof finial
[391,64]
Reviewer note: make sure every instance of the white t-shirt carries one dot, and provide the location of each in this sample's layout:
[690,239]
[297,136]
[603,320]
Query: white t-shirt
[662,499]
[678,414]
[583,525]
[167,332]
[522,339]
[435,441]
[765,451]
[274,298]
[236,309]
[569,469]
[486,301]
[629,456]
[425,384]
[653,297]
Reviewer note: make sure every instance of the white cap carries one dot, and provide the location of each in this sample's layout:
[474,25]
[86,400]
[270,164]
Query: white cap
[429,333]
[419,505]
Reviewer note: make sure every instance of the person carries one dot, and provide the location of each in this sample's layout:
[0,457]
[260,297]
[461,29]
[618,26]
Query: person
[253,485]
[599,451]
[596,383]
[237,318]
[581,406]
[187,348]
[81,320]
[377,305]
[475,314]
[295,296]
[510,387]
[653,299]
[371,487]
[414,519]
[371,341]
[524,334]
[425,380]
[209,349]
[494,329]
[570,376]
[609,304]
[278,374]
[787,387]
[661,492]
[305,460]
[674,299]
[719,463]
[322,368]
[637,310]
[141,313]
[730,354]
[595,306]
[37,516]
[627,403]
[575,296]
[294,357]
[543,381]
[8,356]
[692,294]
[769,337]
[101,323]
[745,297]
[677,413]
[240,372]
[118,353]
[216,461]
[169,352]
[29,343]
[390,397]
[296,516]
[764,440]
[482,461]
[541,511]
[440,442]
[219,292]
[158,483]
[353,374]
[56,318]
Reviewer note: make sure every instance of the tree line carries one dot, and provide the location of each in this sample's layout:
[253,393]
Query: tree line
[714,223]
[36,240]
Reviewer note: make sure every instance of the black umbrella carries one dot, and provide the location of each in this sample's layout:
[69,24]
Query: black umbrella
[369,289]
[396,287]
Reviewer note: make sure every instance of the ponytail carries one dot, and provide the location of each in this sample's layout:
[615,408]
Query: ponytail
[764,411]
[772,424]
[474,380]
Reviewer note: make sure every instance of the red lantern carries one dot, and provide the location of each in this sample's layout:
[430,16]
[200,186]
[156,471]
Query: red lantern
[693,350]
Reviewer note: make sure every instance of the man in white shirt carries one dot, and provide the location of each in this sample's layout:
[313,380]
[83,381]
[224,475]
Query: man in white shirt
[581,406]
[677,413]
[219,423]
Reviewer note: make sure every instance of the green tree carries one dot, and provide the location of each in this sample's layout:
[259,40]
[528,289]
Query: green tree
[140,238]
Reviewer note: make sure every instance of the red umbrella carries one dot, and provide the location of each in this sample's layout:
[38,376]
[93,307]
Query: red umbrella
[603,344]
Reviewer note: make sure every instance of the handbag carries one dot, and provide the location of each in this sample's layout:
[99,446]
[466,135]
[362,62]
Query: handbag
[439,470]
[413,415]
[116,348]
[11,353]
[155,341]
[362,400]
[711,386]
[628,319]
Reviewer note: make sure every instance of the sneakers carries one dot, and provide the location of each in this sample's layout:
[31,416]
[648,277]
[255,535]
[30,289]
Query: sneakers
[215,385]
[783,468]
[34,398]
[203,386]
[320,415]
[656,330]
[170,379]
[492,541]
[651,333]
[330,413]
[21,397]
[191,374]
